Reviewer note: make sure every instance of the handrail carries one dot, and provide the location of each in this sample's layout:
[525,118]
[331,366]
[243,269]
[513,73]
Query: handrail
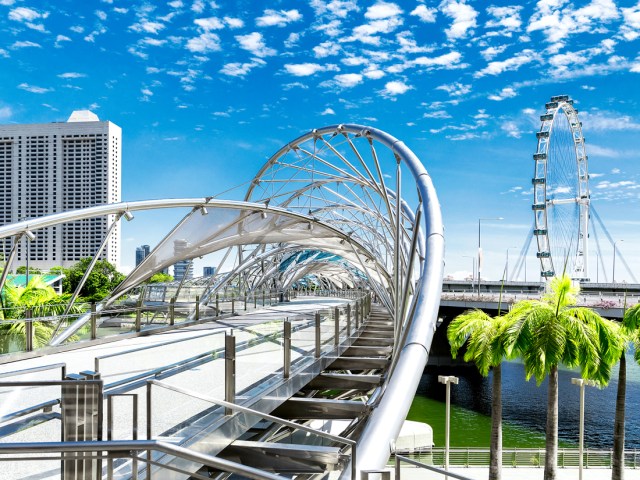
[132,446]
[266,416]
[28,371]
[415,463]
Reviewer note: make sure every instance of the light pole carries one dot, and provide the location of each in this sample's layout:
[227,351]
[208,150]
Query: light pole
[447,380]
[480,248]
[473,267]
[581,382]
[506,265]
[613,276]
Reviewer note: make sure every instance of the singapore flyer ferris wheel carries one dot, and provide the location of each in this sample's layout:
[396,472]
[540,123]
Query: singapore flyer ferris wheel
[561,192]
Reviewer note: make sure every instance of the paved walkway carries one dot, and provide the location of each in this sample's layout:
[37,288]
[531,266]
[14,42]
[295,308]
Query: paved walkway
[414,473]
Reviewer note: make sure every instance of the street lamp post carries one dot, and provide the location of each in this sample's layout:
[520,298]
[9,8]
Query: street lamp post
[613,276]
[447,380]
[581,382]
[480,248]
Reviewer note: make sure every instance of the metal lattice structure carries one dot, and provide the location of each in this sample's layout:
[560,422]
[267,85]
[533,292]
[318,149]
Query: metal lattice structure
[343,207]
[561,192]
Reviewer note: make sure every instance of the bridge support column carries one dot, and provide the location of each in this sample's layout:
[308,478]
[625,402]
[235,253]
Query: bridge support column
[229,371]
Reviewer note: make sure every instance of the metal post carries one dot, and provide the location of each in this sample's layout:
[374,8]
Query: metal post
[447,380]
[197,307]
[229,371]
[94,321]
[581,383]
[172,311]
[318,340]
[217,305]
[233,304]
[348,319]
[287,349]
[336,317]
[138,318]
[245,300]
[28,323]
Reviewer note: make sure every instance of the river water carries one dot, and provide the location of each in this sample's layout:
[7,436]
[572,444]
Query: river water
[524,408]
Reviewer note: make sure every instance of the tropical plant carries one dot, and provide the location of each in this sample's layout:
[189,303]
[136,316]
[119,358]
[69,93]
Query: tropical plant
[41,300]
[101,281]
[160,277]
[631,331]
[553,331]
[483,335]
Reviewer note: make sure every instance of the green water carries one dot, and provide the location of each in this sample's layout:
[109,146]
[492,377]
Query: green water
[472,429]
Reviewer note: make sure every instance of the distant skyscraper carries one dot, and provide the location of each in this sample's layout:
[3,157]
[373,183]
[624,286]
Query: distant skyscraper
[48,168]
[141,253]
[183,268]
[208,271]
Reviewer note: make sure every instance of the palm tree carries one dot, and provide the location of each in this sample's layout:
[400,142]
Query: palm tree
[42,300]
[553,330]
[630,330]
[482,335]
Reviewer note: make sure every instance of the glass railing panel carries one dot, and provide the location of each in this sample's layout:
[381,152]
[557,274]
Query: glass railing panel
[260,357]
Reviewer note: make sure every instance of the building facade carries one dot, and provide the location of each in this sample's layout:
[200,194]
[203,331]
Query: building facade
[141,253]
[208,271]
[182,269]
[54,167]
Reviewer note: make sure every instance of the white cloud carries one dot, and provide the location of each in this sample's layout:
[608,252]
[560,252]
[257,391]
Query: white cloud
[506,19]
[147,26]
[146,94]
[254,43]
[615,171]
[506,92]
[271,18]
[77,29]
[373,72]
[204,43]
[198,6]
[24,44]
[334,8]
[609,121]
[328,111]
[4,53]
[154,42]
[455,89]
[307,69]
[211,23]
[348,80]
[463,16]
[292,40]
[33,88]
[382,9]
[631,28]
[490,53]
[447,60]
[595,150]
[510,64]
[368,33]
[424,13]
[241,69]
[7,3]
[396,87]
[29,17]
[234,22]
[436,114]
[101,15]
[331,29]
[326,49]
[72,75]
[511,128]
[5,113]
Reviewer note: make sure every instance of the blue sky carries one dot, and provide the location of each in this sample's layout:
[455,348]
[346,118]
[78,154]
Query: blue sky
[206,91]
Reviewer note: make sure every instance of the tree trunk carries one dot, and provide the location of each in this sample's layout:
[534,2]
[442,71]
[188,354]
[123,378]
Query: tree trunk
[551,446]
[617,472]
[495,452]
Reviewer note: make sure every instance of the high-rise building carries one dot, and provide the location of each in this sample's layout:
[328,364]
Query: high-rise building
[47,168]
[141,253]
[183,268]
[208,271]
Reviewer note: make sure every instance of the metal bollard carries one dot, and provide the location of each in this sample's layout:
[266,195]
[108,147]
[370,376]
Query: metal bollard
[348,319]
[245,300]
[197,307]
[337,325]
[172,311]
[94,321]
[233,304]
[287,349]
[357,316]
[318,345]
[28,314]
[229,371]
[217,305]
[138,319]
